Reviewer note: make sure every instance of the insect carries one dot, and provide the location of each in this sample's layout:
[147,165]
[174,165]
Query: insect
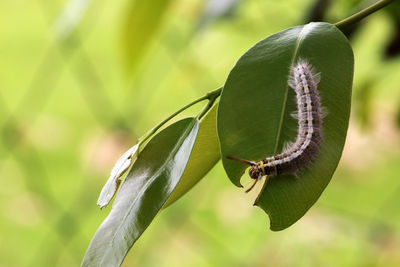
[304,80]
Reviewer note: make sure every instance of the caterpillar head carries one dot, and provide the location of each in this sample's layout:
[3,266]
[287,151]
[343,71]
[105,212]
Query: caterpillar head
[256,172]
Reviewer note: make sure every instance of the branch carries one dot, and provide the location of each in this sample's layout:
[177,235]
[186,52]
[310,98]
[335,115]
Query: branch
[362,14]
[211,96]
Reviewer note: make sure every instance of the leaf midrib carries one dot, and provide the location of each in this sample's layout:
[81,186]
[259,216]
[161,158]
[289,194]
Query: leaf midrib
[299,40]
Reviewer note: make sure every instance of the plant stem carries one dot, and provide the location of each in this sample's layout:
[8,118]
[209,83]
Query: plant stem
[207,107]
[362,14]
[211,96]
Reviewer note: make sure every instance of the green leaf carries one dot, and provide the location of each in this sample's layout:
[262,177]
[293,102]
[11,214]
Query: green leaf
[142,22]
[254,118]
[205,155]
[147,186]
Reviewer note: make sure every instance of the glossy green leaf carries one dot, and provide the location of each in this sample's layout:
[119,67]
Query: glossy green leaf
[147,186]
[254,118]
[205,155]
[140,27]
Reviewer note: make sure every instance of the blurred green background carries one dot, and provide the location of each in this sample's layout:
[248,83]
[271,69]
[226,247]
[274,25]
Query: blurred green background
[81,80]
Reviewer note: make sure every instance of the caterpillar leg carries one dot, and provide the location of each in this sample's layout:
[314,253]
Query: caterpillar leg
[253,185]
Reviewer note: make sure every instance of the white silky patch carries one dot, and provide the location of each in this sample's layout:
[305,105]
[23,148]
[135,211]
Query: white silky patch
[112,184]
[324,112]
[287,146]
[317,77]
[291,82]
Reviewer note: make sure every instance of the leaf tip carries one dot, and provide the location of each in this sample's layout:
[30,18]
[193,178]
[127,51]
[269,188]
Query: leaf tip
[102,204]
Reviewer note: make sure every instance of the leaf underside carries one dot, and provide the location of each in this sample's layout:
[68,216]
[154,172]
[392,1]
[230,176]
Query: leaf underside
[254,121]
[142,194]
[204,156]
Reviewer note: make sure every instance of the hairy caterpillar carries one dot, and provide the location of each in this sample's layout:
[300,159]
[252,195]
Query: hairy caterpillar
[303,79]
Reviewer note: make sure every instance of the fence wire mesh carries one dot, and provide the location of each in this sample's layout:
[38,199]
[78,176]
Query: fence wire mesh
[67,112]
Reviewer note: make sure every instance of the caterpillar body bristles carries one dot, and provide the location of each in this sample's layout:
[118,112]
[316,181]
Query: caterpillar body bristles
[309,114]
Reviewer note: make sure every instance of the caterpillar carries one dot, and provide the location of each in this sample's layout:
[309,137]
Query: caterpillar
[303,80]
